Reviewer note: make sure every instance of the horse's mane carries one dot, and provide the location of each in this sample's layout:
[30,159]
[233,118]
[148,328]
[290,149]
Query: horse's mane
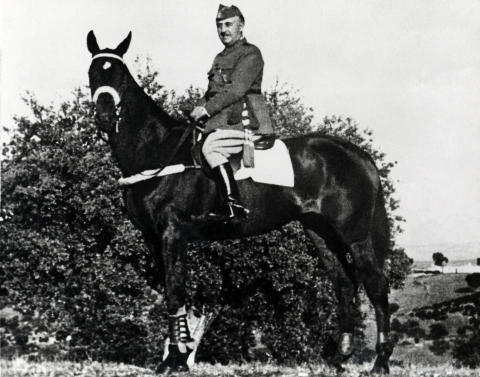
[156,134]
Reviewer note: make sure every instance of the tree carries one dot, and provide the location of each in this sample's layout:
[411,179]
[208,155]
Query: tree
[439,259]
[72,260]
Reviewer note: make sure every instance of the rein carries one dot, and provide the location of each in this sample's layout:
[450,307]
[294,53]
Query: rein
[184,136]
[119,101]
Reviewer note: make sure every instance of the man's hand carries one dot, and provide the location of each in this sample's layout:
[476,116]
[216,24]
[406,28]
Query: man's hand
[198,113]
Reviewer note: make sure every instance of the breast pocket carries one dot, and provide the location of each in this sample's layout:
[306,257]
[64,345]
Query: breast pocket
[225,74]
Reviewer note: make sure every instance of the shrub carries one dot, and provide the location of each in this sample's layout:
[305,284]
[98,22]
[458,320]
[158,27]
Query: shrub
[410,324]
[420,314]
[437,331]
[396,326]
[394,307]
[467,351]
[473,280]
[439,346]
[415,332]
[395,337]
[462,331]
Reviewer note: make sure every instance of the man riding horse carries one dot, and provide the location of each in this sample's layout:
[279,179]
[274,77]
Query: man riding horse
[337,194]
[233,108]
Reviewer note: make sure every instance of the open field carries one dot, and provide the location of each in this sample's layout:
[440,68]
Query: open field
[425,293]
[410,358]
[22,368]
[423,290]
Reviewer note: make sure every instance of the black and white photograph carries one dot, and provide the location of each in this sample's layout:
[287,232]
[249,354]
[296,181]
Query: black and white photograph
[249,188]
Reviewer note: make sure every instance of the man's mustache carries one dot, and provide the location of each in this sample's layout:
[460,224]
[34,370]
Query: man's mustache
[225,34]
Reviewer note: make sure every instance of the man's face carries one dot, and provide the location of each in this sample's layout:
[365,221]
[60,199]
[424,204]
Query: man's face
[230,30]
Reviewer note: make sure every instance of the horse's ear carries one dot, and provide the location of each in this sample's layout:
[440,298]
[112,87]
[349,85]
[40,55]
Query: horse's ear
[92,43]
[123,47]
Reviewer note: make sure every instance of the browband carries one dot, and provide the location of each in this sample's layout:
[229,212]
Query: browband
[107,55]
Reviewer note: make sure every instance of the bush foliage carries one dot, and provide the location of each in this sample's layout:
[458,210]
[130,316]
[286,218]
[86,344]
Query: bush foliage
[74,264]
[473,280]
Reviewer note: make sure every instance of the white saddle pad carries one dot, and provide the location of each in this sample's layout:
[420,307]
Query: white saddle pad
[272,166]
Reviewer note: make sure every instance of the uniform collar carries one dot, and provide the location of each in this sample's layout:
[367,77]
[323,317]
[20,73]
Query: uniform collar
[240,42]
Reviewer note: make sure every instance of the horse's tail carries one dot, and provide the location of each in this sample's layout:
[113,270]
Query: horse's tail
[380,227]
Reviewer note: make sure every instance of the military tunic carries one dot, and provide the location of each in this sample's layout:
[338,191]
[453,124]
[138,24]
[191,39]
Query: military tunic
[235,81]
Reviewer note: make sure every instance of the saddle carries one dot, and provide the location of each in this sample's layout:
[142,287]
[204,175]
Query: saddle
[263,143]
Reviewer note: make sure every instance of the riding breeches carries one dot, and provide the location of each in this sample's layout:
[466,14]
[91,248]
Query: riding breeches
[221,144]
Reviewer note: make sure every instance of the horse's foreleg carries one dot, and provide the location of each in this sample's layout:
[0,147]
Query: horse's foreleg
[337,351]
[376,287]
[174,266]
[198,323]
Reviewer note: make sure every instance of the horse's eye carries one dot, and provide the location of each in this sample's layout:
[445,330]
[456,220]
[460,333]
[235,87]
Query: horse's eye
[107,65]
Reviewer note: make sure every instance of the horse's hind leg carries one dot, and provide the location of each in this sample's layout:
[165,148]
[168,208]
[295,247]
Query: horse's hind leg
[376,286]
[337,351]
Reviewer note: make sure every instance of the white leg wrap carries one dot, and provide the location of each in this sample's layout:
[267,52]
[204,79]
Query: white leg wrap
[382,338]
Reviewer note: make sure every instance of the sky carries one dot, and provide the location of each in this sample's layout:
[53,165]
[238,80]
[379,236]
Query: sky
[408,70]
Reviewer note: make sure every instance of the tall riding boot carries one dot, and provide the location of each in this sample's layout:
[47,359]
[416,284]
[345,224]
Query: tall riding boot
[231,207]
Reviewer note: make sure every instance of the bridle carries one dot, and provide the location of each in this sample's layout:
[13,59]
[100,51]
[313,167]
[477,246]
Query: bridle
[119,100]
[108,89]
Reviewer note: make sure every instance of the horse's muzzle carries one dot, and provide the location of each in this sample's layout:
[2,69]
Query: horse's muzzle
[106,122]
[105,113]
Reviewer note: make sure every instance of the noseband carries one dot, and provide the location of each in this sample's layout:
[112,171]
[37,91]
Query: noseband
[110,90]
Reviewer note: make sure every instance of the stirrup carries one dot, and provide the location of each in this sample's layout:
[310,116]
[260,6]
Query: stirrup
[234,212]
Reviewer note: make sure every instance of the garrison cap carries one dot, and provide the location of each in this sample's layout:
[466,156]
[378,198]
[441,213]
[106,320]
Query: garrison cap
[229,12]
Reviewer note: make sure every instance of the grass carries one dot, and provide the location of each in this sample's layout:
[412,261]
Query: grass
[420,291]
[407,360]
[22,368]
[423,290]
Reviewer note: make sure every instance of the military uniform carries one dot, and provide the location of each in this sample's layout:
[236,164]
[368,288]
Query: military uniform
[235,80]
[234,89]
[233,103]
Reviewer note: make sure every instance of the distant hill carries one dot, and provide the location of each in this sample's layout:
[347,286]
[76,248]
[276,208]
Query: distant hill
[454,252]
[452,263]
[427,290]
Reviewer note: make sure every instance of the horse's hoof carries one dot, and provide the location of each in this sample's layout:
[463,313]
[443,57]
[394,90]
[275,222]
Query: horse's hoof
[183,369]
[167,370]
[164,370]
[339,369]
[176,361]
[384,351]
[380,369]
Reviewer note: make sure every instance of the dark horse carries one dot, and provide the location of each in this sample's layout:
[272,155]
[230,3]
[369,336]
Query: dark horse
[337,197]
